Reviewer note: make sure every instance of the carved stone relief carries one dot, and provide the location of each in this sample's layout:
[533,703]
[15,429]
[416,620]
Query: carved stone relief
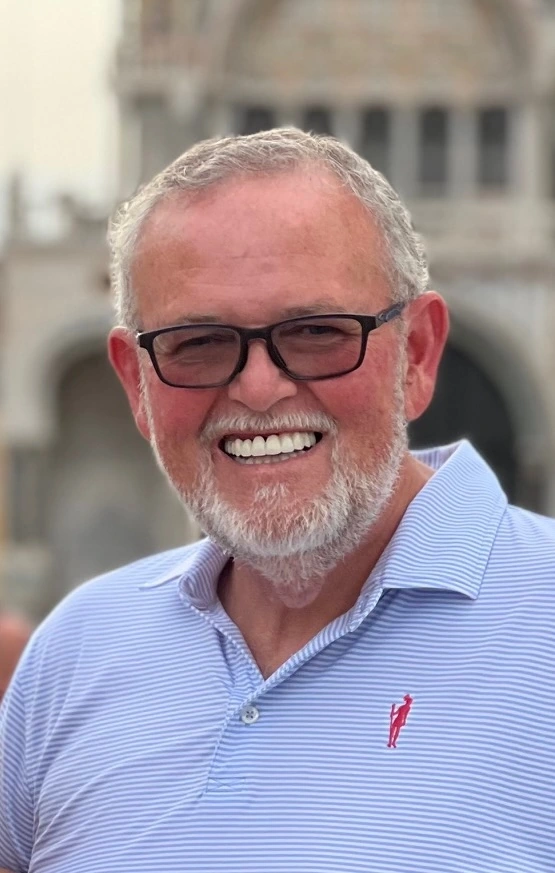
[402,43]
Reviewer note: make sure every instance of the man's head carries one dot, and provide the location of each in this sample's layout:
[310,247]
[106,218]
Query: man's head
[213,162]
[248,232]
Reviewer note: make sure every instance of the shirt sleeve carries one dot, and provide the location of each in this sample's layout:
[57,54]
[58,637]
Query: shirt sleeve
[16,809]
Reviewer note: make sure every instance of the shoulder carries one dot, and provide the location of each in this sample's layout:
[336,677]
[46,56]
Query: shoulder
[125,581]
[95,629]
[524,552]
[112,604]
[527,531]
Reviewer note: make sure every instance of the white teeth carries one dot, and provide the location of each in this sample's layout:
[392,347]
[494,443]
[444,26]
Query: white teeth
[246,448]
[286,443]
[258,447]
[272,446]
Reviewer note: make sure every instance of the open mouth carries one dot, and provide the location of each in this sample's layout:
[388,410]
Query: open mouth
[271,448]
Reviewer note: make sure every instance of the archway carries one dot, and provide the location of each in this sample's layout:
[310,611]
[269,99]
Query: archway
[108,504]
[468,403]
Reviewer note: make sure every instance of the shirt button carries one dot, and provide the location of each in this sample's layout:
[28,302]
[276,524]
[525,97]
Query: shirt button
[249,715]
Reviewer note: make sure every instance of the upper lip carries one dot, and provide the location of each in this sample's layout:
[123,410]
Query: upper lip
[250,434]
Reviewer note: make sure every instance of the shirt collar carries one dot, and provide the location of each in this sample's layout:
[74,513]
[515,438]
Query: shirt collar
[446,535]
[442,542]
[198,574]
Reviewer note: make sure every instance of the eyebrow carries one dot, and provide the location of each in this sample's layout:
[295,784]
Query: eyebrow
[318,307]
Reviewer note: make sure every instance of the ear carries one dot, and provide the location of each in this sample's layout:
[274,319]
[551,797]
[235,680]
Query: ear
[428,328]
[124,358]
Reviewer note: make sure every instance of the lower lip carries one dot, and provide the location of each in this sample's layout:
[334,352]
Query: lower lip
[267,459]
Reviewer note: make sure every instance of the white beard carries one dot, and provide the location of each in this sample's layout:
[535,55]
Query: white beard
[295,544]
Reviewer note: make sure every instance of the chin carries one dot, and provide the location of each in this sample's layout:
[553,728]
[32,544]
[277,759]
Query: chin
[294,539]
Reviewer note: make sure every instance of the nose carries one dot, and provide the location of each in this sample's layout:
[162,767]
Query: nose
[260,384]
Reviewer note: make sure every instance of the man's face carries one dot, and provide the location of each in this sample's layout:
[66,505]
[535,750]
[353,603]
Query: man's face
[251,252]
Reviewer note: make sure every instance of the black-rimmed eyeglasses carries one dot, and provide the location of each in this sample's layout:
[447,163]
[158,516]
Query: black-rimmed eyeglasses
[308,348]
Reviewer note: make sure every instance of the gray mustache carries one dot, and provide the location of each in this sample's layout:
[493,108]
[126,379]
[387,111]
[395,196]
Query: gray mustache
[319,422]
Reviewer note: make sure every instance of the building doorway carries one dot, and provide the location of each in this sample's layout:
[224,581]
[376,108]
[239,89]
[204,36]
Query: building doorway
[467,403]
[108,504]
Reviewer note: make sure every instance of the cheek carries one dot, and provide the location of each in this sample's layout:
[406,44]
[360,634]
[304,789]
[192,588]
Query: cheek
[360,402]
[178,414]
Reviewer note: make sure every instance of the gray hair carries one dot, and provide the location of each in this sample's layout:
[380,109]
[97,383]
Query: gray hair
[217,160]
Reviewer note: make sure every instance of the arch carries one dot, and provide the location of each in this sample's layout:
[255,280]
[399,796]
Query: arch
[497,353]
[467,404]
[518,435]
[230,28]
[107,502]
[64,347]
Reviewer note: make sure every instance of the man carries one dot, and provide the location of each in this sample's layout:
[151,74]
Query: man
[14,636]
[226,706]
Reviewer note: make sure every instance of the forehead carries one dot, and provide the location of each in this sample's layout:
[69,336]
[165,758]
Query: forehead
[301,230]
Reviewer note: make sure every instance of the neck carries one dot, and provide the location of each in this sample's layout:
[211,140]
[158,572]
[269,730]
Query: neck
[275,623]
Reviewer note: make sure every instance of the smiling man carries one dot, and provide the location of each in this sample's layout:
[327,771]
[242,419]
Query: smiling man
[232,703]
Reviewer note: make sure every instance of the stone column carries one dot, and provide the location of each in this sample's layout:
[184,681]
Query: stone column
[347,125]
[222,119]
[130,148]
[526,136]
[287,114]
[404,151]
[528,180]
[463,153]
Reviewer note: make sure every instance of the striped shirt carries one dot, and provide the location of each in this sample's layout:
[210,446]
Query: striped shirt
[413,734]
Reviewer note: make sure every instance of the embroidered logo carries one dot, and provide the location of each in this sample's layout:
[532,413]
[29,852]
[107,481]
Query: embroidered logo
[398,719]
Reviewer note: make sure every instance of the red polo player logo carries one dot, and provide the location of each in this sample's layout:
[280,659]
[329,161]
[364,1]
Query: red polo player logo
[398,719]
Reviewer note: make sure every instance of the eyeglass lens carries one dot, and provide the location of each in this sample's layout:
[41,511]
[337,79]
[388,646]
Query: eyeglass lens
[199,355]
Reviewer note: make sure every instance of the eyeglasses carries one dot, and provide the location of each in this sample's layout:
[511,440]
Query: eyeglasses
[308,348]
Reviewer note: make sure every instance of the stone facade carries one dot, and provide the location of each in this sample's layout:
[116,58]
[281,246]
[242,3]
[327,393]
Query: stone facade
[452,99]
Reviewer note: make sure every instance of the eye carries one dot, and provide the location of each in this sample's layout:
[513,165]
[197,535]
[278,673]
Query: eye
[205,340]
[319,330]
[182,342]
[310,329]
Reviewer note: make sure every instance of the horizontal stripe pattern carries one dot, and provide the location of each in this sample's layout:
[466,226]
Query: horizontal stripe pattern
[123,742]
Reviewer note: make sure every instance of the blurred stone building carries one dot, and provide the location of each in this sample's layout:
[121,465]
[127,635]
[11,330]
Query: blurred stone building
[452,99]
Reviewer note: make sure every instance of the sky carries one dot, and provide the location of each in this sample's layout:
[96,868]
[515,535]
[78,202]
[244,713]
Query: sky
[58,123]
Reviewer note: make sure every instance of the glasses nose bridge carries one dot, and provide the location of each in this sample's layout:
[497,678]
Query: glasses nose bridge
[264,334]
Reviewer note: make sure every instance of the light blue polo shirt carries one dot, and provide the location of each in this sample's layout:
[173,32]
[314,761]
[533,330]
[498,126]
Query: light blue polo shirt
[138,735]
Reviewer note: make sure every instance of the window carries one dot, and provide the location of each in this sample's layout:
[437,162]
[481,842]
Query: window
[255,118]
[376,138]
[433,151]
[317,119]
[157,17]
[493,142]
